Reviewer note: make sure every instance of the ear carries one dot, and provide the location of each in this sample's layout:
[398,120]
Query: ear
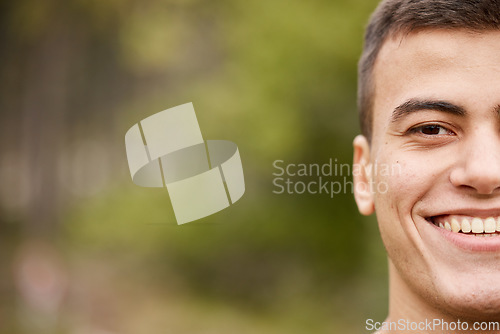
[362,176]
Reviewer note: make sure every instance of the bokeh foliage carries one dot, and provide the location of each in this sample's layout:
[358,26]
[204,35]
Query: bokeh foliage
[276,77]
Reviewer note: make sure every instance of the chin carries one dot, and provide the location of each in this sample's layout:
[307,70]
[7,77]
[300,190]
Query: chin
[477,300]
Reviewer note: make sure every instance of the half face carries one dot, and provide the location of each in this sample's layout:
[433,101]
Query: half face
[435,168]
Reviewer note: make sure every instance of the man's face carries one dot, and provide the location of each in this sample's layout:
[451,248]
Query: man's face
[436,123]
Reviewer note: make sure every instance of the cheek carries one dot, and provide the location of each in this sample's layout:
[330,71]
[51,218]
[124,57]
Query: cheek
[410,178]
[396,183]
[402,178]
[405,184]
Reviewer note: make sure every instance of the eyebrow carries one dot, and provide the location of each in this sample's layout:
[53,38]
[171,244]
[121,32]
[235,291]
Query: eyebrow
[414,105]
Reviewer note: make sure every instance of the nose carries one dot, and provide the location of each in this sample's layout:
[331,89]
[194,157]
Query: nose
[479,164]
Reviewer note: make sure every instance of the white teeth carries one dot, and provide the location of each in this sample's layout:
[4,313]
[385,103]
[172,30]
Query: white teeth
[477,225]
[485,235]
[489,225]
[455,225]
[466,228]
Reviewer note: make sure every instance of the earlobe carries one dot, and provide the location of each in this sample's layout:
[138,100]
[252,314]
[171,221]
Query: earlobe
[362,177]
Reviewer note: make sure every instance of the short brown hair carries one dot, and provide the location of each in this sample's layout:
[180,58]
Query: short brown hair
[394,17]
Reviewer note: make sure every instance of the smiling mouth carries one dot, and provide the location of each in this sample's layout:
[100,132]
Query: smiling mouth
[474,226]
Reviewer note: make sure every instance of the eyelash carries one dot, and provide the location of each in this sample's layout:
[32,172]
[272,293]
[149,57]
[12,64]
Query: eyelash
[418,130]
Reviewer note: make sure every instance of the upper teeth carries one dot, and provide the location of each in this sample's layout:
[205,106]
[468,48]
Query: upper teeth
[469,224]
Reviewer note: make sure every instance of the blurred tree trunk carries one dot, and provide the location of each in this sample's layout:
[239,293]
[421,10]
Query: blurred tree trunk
[43,127]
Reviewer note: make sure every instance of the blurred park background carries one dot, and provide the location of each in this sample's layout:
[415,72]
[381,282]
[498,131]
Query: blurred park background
[85,251]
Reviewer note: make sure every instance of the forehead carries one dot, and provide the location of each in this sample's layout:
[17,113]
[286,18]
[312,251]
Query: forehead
[429,49]
[460,66]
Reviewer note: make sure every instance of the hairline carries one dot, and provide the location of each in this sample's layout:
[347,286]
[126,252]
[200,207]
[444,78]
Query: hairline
[368,63]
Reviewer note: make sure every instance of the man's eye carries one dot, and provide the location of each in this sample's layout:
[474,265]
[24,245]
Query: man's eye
[431,130]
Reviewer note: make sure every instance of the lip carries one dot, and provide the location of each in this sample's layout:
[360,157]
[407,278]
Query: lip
[494,212]
[466,241]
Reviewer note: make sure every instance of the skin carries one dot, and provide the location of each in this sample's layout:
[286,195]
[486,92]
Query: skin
[451,169]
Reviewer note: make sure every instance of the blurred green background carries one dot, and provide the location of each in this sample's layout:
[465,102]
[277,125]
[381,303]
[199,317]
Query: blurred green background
[83,250]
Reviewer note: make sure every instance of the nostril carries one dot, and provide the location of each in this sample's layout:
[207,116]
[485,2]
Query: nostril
[484,181]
